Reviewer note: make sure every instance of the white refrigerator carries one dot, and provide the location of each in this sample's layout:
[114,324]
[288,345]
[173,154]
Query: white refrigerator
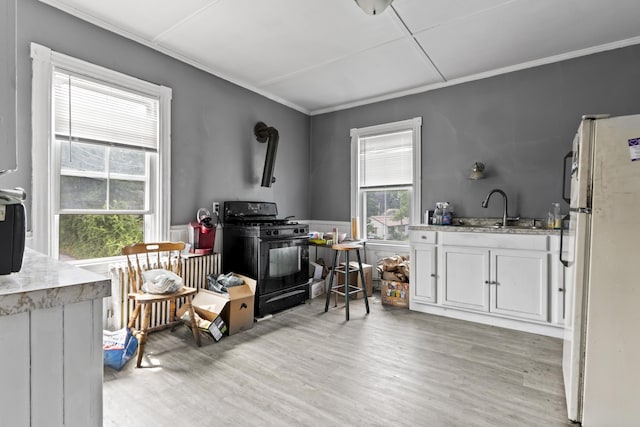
[601,254]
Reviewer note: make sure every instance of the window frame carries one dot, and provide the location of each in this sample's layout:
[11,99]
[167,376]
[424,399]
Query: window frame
[45,172]
[357,193]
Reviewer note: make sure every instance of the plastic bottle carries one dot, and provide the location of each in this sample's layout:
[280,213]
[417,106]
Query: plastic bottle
[437,214]
[447,214]
[557,217]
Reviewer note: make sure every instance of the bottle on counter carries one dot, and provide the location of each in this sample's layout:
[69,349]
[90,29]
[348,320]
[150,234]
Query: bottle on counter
[557,216]
[437,214]
[447,213]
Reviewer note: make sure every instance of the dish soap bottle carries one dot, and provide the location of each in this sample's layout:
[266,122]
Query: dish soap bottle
[557,217]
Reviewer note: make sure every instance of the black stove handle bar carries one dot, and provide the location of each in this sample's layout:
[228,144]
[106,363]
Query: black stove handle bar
[281,238]
[287,294]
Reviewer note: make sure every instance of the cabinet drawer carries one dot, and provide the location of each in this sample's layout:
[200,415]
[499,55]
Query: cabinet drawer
[498,241]
[417,236]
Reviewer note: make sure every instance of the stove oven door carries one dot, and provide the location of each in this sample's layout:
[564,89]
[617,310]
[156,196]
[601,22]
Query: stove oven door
[284,263]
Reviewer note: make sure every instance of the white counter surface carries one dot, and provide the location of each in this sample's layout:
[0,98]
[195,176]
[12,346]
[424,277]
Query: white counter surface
[44,282]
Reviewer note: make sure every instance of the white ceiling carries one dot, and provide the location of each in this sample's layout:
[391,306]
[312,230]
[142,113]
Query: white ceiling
[319,56]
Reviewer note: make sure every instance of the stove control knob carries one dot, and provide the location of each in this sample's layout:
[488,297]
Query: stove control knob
[295,230]
[275,232]
[268,232]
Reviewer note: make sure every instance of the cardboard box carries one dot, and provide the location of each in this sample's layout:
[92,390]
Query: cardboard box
[209,309]
[354,279]
[235,308]
[394,293]
[315,271]
[317,288]
[238,314]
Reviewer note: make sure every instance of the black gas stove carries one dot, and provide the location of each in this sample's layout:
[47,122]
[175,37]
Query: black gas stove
[272,250]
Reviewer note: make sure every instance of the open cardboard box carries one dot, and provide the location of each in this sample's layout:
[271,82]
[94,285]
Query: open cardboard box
[209,309]
[235,308]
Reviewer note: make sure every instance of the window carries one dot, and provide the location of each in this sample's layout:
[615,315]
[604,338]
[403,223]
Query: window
[386,179]
[100,153]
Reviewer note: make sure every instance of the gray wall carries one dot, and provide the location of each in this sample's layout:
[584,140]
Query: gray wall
[519,124]
[215,156]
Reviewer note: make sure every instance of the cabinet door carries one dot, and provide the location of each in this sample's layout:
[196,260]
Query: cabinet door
[519,284]
[423,274]
[465,273]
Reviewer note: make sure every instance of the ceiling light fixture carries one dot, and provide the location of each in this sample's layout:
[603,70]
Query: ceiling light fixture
[373,7]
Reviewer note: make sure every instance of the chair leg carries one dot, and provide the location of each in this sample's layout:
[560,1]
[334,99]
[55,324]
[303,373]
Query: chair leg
[134,316]
[364,285]
[142,334]
[172,314]
[194,324]
[332,273]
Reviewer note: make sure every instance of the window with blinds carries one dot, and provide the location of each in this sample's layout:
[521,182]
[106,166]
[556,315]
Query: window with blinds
[106,138]
[386,179]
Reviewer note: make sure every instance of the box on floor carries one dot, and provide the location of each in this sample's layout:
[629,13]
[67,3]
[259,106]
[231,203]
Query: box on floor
[394,293]
[316,288]
[354,279]
[235,307]
[209,309]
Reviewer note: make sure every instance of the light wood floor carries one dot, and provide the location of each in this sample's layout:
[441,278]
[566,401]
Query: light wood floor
[305,367]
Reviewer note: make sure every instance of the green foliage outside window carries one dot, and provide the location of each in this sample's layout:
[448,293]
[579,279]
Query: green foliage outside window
[98,236]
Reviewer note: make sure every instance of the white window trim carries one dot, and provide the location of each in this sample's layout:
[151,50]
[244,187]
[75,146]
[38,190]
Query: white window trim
[44,197]
[415,125]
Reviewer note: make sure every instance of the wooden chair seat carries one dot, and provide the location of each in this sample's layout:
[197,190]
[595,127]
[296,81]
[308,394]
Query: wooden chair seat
[147,256]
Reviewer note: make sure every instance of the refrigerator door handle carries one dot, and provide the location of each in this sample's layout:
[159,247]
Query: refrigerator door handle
[563,261]
[568,156]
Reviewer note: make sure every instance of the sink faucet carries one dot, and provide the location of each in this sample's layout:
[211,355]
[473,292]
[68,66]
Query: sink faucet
[485,203]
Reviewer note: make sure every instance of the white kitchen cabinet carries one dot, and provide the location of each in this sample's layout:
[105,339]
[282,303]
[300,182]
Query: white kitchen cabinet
[423,273]
[503,279]
[465,277]
[51,344]
[519,283]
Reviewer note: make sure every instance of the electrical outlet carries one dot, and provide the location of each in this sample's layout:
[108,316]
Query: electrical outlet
[216,208]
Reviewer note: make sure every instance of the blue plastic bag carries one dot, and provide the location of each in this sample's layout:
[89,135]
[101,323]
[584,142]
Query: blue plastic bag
[118,346]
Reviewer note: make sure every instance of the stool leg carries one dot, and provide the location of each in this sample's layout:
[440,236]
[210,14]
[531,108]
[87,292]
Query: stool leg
[364,285]
[330,287]
[346,287]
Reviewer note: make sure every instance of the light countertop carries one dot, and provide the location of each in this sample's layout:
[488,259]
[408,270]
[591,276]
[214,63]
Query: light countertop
[44,282]
[486,225]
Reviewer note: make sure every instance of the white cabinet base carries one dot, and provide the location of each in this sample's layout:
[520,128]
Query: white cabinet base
[541,328]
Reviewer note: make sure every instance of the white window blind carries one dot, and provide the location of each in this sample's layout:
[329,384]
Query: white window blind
[105,114]
[386,160]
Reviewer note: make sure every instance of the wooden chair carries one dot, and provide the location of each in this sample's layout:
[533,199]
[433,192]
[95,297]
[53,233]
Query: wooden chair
[147,256]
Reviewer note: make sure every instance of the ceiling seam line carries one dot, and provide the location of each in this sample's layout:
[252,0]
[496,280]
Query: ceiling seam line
[158,38]
[417,43]
[278,79]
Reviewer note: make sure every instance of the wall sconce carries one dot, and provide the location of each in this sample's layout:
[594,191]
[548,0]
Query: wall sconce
[477,171]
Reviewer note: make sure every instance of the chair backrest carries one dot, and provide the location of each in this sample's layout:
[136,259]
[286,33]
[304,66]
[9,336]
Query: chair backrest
[147,256]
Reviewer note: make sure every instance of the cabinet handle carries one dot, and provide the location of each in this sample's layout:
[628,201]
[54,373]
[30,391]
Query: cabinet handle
[560,290]
[486,282]
[433,275]
[423,237]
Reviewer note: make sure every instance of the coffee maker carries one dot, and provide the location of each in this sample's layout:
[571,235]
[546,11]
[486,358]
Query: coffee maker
[12,230]
[202,233]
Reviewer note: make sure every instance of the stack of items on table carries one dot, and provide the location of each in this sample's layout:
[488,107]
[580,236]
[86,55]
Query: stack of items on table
[226,306]
[394,275]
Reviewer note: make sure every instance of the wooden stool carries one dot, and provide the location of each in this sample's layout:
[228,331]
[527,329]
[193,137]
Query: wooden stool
[348,289]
